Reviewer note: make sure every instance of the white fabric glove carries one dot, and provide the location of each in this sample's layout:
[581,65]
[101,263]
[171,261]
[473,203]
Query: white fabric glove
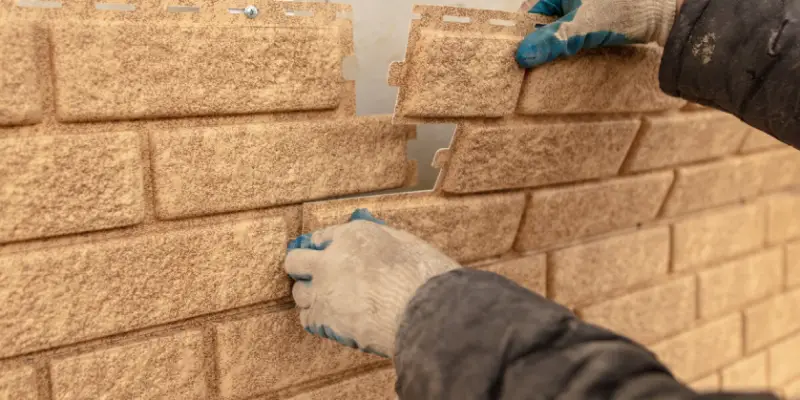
[353,281]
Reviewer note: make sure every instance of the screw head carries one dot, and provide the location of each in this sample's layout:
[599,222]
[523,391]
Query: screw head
[251,11]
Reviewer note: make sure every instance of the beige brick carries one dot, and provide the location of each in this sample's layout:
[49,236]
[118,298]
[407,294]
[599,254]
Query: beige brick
[784,360]
[757,141]
[560,215]
[18,384]
[793,264]
[782,170]
[717,235]
[740,282]
[20,84]
[589,271]
[373,386]
[238,167]
[772,319]
[467,228]
[485,158]
[55,185]
[171,367]
[529,272]
[783,211]
[749,374]
[266,353]
[685,138]
[708,384]
[63,295]
[648,315]
[581,84]
[792,390]
[285,68]
[703,350]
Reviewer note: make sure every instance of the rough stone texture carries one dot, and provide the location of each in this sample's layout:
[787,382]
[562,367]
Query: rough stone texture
[468,228]
[109,70]
[582,84]
[485,158]
[20,84]
[740,282]
[782,212]
[701,351]
[18,384]
[749,374]
[229,168]
[171,367]
[717,235]
[270,352]
[648,315]
[784,360]
[783,170]
[589,271]
[772,319]
[757,141]
[54,185]
[793,264]
[708,384]
[529,272]
[62,295]
[683,138]
[373,386]
[559,215]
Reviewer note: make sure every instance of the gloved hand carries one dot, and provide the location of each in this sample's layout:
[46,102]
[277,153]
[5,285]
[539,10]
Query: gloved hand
[353,281]
[586,24]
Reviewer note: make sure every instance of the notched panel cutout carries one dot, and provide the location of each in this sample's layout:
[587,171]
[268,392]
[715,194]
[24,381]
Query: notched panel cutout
[21,97]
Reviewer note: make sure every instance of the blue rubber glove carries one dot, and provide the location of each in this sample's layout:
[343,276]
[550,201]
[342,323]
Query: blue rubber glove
[588,24]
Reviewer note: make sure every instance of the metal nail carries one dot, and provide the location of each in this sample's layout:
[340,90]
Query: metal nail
[251,11]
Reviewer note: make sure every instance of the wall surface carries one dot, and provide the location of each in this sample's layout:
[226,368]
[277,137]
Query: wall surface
[153,168]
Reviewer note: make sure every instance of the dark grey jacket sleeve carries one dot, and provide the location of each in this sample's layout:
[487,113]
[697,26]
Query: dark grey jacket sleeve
[472,334]
[739,56]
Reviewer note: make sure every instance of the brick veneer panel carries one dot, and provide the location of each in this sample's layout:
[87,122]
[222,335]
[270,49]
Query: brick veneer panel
[55,185]
[746,374]
[710,383]
[791,390]
[784,360]
[686,137]
[529,272]
[518,155]
[560,215]
[582,84]
[172,367]
[700,351]
[793,264]
[740,282]
[468,228]
[131,283]
[20,84]
[372,386]
[237,167]
[772,319]
[650,314]
[757,141]
[591,270]
[717,235]
[270,352]
[18,384]
[782,220]
[783,170]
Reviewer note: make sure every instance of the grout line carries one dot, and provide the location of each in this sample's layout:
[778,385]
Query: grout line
[212,359]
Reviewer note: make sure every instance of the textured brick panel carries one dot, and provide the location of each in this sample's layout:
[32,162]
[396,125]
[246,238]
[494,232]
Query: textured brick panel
[717,235]
[468,228]
[18,384]
[590,270]
[782,217]
[582,84]
[20,84]
[792,390]
[783,170]
[195,70]
[131,283]
[770,320]
[238,167]
[793,264]
[270,352]
[685,138]
[373,386]
[708,384]
[560,215]
[165,368]
[749,374]
[696,353]
[529,272]
[485,158]
[736,283]
[758,140]
[784,360]
[54,185]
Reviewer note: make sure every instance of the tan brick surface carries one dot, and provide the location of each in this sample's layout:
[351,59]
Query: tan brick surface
[784,360]
[740,282]
[270,352]
[792,390]
[468,228]
[685,138]
[484,158]
[54,185]
[717,235]
[372,386]
[748,374]
[589,271]
[20,84]
[757,141]
[782,220]
[529,272]
[560,215]
[793,264]
[18,384]
[700,351]
[62,295]
[172,367]
[710,383]
[650,314]
[228,168]
[772,319]
[581,84]
[783,170]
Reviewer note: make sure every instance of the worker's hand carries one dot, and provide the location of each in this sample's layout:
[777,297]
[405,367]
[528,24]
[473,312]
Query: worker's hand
[586,24]
[353,281]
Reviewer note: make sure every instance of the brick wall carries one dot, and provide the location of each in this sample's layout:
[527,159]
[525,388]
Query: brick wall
[145,202]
